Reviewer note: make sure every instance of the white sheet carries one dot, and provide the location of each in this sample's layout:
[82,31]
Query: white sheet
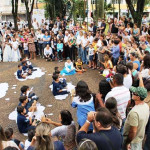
[3,89]
[69,88]
[35,74]
[38,114]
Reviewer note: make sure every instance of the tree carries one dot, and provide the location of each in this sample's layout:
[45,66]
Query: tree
[138,12]
[15,12]
[29,9]
[55,8]
[99,8]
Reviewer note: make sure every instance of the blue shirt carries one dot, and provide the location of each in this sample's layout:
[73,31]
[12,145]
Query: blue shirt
[56,88]
[116,51]
[59,47]
[46,38]
[139,65]
[24,68]
[23,123]
[19,74]
[82,109]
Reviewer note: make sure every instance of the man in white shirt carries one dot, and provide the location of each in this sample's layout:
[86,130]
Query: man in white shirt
[121,94]
[78,43]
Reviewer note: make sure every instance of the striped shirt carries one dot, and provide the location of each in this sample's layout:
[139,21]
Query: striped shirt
[122,96]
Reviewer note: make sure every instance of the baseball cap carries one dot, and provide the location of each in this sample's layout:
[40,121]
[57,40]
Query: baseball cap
[140,91]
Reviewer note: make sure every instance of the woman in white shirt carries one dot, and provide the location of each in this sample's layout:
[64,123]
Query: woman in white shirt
[84,45]
[78,43]
[48,53]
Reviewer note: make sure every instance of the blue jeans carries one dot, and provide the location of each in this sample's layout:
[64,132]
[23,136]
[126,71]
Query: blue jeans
[79,51]
[122,126]
[84,55]
[115,60]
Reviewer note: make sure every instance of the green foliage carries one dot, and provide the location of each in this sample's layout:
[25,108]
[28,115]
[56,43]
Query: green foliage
[108,7]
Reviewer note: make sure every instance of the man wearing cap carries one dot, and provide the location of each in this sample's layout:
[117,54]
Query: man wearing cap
[137,118]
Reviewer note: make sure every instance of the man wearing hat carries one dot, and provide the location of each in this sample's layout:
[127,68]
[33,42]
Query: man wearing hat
[135,124]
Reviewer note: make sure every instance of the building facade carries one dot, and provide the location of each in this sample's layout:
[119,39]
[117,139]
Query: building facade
[6,10]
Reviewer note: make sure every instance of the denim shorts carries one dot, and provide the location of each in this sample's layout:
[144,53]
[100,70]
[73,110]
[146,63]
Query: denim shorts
[91,57]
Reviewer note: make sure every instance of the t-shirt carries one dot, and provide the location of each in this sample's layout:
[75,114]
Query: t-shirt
[60,131]
[9,143]
[127,82]
[91,51]
[122,96]
[22,123]
[82,109]
[137,117]
[102,143]
[19,74]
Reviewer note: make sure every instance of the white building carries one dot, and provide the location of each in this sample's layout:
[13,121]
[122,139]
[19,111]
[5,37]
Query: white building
[6,10]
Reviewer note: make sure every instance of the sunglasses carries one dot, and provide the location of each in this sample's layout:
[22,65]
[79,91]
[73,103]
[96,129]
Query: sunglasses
[135,94]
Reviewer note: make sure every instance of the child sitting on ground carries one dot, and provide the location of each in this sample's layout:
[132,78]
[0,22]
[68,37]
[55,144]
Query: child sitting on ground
[20,74]
[57,87]
[26,69]
[9,135]
[29,106]
[24,124]
[61,79]
[69,68]
[31,134]
[79,66]
[25,91]
[108,66]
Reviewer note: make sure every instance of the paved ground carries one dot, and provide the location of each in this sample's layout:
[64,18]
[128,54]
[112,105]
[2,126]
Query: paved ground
[41,89]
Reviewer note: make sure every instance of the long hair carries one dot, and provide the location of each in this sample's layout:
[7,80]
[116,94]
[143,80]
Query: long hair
[2,137]
[43,139]
[111,105]
[82,90]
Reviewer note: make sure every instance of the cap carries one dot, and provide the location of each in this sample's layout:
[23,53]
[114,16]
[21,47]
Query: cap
[140,91]
[68,58]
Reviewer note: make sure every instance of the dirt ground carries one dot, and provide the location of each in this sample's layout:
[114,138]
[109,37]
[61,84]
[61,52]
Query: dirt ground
[41,88]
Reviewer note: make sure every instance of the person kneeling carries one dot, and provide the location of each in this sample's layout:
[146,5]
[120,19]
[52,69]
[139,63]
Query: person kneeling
[20,74]
[57,87]
[48,54]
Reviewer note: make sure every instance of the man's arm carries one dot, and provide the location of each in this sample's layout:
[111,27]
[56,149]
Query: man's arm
[132,134]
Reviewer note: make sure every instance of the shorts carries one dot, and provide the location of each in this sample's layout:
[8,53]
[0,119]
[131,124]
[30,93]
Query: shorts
[91,57]
[26,52]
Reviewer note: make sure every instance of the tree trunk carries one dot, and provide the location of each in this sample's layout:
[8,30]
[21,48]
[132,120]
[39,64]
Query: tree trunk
[119,7]
[15,13]
[101,8]
[29,12]
[138,13]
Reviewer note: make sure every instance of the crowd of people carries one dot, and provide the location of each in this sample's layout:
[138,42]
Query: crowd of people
[117,117]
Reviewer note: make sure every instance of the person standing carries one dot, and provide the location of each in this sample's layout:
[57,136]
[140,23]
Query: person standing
[135,124]
[31,46]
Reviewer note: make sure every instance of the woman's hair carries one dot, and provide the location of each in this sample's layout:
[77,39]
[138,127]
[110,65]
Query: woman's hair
[82,90]
[106,57]
[146,60]
[87,144]
[104,42]
[66,117]
[121,69]
[2,137]
[111,105]
[43,139]
[104,88]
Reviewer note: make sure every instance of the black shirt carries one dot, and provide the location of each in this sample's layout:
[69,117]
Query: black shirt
[114,29]
[102,143]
